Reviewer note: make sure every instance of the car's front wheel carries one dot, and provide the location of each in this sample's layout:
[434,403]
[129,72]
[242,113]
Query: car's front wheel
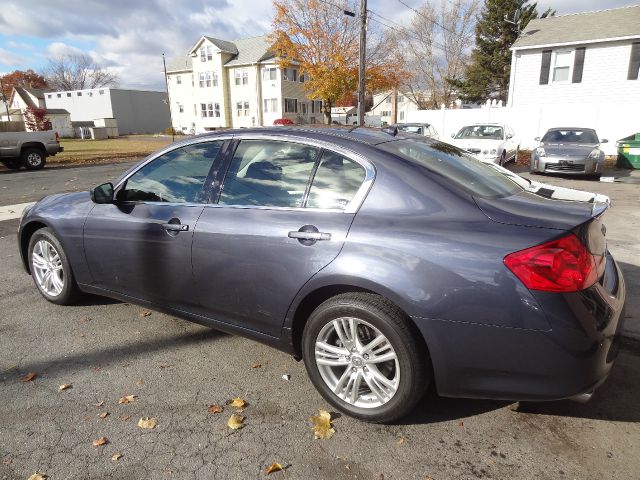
[365,358]
[50,268]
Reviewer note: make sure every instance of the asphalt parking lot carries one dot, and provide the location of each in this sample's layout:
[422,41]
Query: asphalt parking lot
[108,350]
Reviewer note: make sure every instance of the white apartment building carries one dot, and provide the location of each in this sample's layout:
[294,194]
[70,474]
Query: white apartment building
[235,84]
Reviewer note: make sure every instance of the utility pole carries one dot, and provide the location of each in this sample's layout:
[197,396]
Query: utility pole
[361,69]
[166,82]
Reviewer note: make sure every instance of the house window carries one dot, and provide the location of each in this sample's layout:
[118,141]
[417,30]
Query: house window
[400,99]
[401,116]
[270,105]
[214,78]
[303,108]
[290,74]
[216,109]
[203,54]
[79,94]
[316,106]
[242,109]
[201,79]
[208,78]
[269,73]
[388,99]
[245,76]
[385,113]
[302,78]
[90,94]
[209,53]
[101,92]
[179,80]
[49,96]
[561,66]
[59,95]
[291,105]
[68,94]
[180,108]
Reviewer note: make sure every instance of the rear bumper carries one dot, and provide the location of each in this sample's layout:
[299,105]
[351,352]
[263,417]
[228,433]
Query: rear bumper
[574,357]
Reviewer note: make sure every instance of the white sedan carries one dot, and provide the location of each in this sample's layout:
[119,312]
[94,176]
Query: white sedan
[489,142]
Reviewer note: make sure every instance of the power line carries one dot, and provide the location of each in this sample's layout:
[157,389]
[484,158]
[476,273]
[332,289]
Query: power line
[428,18]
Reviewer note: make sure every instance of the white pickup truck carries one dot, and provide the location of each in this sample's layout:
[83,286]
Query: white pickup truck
[28,149]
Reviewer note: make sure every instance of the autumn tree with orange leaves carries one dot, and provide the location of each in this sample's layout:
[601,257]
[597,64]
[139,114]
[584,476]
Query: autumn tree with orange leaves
[322,42]
[21,78]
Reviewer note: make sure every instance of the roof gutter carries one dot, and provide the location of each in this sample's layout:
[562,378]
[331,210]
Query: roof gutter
[576,42]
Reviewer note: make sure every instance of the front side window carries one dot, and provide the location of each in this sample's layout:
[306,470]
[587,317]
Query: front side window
[561,66]
[268,173]
[336,182]
[176,177]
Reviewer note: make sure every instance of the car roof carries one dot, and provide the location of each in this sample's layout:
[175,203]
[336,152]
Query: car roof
[364,135]
[555,129]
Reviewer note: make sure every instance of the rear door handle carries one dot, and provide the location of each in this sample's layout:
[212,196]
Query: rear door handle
[315,236]
[175,227]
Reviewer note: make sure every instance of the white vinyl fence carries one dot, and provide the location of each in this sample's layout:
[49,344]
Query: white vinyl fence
[612,121]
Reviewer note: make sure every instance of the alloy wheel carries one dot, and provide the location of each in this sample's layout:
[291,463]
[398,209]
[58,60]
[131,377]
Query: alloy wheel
[357,362]
[47,268]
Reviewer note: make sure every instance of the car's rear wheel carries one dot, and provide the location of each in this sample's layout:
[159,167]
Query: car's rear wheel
[364,357]
[33,159]
[50,268]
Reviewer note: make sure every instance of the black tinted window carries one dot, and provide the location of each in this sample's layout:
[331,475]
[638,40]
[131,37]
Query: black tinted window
[456,166]
[268,173]
[177,176]
[336,182]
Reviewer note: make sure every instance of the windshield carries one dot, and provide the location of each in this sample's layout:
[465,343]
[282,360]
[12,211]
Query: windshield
[481,132]
[570,136]
[453,164]
[411,129]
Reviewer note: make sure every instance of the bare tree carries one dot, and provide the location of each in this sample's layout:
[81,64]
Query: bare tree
[77,72]
[436,46]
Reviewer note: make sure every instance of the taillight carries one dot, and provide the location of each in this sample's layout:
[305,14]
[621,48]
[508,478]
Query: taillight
[563,265]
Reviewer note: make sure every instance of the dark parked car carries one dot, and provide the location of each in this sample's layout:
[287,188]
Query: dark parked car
[387,263]
[569,151]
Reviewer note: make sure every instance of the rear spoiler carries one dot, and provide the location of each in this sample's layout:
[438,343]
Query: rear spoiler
[601,204]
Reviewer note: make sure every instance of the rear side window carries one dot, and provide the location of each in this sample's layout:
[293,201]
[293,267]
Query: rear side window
[452,164]
[268,173]
[336,182]
[177,176]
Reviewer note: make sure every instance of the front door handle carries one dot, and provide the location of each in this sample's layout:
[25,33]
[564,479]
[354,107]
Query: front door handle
[175,227]
[315,236]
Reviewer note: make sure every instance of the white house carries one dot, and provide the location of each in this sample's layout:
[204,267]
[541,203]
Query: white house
[235,84]
[23,97]
[135,111]
[383,103]
[590,57]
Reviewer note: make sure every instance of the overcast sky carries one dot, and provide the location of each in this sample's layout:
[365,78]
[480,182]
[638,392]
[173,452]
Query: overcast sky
[130,36]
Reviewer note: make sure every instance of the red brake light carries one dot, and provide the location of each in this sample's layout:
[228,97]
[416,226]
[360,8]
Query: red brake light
[563,265]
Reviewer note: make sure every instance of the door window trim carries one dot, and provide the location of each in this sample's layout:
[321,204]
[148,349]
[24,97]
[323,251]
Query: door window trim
[352,207]
[209,183]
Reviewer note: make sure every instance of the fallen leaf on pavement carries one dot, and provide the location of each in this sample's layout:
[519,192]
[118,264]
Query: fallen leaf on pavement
[65,386]
[116,456]
[274,467]
[235,422]
[28,377]
[140,382]
[146,422]
[166,366]
[461,424]
[127,399]
[104,415]
[6,461]
[101,441]
[322,425]
[215,409]
[145,313]
[400,441]
[86,319]
[38,476]
[258,365]
[126,418]
[238,403]
[99,404]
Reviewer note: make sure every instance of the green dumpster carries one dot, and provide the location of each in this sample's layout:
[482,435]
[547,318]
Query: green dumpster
[629,152]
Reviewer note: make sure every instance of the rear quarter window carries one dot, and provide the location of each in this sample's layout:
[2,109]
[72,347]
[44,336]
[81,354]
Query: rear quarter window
[455,166]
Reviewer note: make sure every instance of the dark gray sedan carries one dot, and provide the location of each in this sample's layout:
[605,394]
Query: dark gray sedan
[388,263]
[568,151]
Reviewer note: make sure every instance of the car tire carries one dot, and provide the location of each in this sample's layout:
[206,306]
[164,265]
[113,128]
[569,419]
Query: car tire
[33,159]
[12,164]
[503,158]
[515,156]
[51,270]
[407,374]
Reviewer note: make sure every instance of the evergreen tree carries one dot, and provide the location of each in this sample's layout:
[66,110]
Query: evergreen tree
[497,28]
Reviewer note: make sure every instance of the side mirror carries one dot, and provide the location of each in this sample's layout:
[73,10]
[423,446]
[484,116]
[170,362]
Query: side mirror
[102,193]
[453,135]
[509,135]
[537,139]
[604,140]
